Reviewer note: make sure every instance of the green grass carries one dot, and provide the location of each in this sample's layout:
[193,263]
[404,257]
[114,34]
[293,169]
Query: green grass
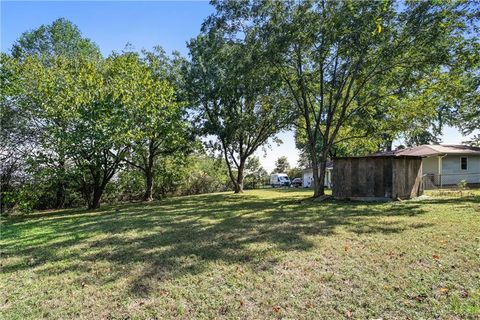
[261,254]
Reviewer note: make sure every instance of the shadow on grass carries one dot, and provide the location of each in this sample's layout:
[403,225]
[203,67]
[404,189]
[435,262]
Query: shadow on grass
[181,236]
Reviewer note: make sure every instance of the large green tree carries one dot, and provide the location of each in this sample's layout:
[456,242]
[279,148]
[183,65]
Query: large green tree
[156,116]
[88,105]
[348,65]
[16,135]
[237,96]
[60,39]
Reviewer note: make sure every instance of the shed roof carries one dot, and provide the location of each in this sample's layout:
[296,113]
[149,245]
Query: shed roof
[428,150]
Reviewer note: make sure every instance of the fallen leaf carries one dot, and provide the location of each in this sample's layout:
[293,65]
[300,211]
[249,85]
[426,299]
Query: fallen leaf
[443,290]
[436,257]
[420,297]
[163,293]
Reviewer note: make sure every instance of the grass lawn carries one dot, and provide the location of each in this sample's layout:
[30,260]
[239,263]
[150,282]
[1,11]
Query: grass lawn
[261,254]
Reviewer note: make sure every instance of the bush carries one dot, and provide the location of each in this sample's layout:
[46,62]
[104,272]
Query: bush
[205,175]
[462,185]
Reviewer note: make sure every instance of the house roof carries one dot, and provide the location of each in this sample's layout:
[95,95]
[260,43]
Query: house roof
[428,150]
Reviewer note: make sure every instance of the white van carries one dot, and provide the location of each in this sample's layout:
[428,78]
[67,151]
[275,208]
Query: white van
[279,180]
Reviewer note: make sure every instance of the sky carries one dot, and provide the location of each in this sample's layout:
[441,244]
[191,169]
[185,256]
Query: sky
[113,24]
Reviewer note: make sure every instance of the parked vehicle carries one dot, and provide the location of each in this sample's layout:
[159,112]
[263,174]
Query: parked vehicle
[297,182]
[279,180]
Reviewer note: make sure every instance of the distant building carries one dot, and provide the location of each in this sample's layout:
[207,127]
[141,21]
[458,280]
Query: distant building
[307,176]
[445,165]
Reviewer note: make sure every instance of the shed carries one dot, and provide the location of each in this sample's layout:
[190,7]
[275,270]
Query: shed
[377,177]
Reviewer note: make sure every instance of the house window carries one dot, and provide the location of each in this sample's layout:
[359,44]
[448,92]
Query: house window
[463,164]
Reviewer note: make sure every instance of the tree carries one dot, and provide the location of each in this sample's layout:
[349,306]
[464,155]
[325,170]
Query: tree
[155,117]
[204,174]
[16,135]
[422,137]
[60,38]
[468,119]
[294,173]
[47,43]
[237,97]
[88,105]
[349,65]
[255,174]
[281,165]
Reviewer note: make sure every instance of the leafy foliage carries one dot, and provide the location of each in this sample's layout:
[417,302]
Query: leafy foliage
[281,165]
[60,38]
[255,174]
[349,76]
[238,98]
[156,118]
[349,67]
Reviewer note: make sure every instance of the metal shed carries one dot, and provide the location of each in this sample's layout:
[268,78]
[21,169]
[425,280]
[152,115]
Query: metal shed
[377,177]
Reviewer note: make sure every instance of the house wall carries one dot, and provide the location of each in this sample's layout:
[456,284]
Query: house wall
[430,165]
[307,178]
[453,174]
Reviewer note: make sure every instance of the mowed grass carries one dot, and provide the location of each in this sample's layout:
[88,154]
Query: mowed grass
[262,254]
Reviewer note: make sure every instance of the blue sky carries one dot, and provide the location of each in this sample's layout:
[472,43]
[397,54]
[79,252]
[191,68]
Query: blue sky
[113,24]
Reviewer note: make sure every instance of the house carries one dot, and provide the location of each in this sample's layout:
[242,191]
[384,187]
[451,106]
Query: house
[307,176]
[378,176]
[445,165]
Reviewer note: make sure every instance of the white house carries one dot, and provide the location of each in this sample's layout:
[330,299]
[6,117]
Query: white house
[445,165]
[308,176]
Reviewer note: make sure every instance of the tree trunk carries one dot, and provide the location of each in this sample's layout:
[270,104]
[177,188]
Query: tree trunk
[240,176]
[321,176]
[148,186]
[317,185]
[96,197]
[389,144]
[60,195]
[149,173]
[97,191]
[316,179]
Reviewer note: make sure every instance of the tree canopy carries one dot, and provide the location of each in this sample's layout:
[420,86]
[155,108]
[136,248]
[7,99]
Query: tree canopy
[281,165]
[350,66]
[60,38]
[238,100]
[349,77]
